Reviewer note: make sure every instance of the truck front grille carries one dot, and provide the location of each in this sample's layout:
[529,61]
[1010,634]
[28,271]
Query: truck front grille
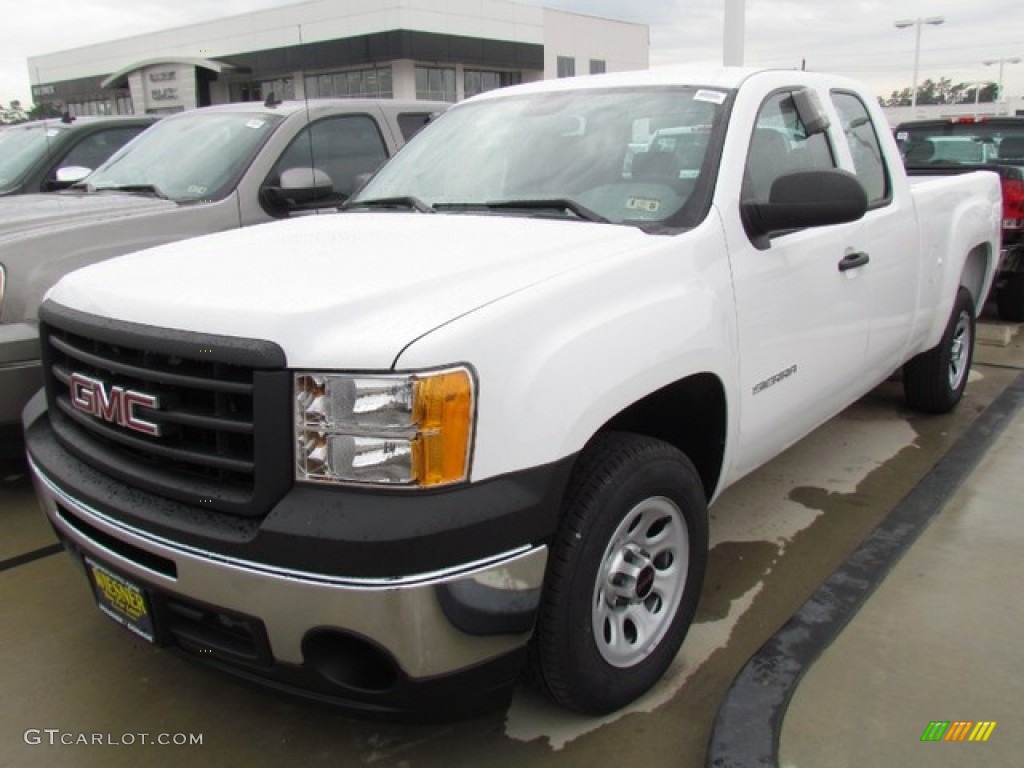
[171,412]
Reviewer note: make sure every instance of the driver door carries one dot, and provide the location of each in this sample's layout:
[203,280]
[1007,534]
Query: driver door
[803,314]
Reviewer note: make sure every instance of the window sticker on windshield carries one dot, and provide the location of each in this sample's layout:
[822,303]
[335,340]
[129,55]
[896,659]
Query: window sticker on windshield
[195,189]
[255,124]
[715,97]
[902,136]
[647,204]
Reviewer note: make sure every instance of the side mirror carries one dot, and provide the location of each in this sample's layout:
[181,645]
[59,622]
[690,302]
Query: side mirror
[68,175]
[805,199]
[301,186]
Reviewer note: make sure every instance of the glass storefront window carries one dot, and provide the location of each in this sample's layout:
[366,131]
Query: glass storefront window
[360,83]
[435,83]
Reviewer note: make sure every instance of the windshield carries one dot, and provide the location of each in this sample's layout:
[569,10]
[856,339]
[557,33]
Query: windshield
[639,156]
[196,156]
[20,147]
[962,141]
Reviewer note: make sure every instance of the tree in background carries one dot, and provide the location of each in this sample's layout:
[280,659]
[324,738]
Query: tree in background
[15,113]
[44,110]
[944,92]
[12,113]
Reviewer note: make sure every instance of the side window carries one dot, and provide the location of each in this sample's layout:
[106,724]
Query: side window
[780,145]
[94,149]
[409,123]
[342,147]
[864,146]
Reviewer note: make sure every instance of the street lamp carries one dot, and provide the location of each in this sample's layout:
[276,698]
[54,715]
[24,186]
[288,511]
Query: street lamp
[1001,62]
[903,24]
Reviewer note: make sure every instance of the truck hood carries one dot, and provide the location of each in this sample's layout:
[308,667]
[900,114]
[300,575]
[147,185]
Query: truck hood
[340,291]
[24,215]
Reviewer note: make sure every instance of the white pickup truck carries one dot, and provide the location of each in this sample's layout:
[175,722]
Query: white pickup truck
[395,457]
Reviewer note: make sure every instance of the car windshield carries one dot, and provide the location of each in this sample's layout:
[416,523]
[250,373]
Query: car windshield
[194,156]
[962,142]
[638,156]
[21,146]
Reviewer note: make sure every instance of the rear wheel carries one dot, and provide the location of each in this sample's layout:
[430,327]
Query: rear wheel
[624,576]
[934,381]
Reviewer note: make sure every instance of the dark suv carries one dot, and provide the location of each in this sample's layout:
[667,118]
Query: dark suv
[32,153]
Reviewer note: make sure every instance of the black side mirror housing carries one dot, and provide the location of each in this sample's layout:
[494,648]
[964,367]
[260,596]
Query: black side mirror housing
[805,199]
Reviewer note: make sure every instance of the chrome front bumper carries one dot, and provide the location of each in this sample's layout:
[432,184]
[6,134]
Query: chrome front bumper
[431,624]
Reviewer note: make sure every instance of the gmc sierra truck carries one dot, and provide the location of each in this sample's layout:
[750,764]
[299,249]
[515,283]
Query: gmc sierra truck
[467,430]
[201,171]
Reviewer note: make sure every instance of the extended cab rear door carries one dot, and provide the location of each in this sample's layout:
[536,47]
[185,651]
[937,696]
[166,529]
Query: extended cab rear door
[888,233]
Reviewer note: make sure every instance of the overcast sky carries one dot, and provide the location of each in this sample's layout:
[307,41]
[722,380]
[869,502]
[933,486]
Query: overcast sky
[852,37]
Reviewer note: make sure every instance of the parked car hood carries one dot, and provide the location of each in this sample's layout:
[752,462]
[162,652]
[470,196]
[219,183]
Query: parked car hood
[348,290]
[43,237]
[24,215]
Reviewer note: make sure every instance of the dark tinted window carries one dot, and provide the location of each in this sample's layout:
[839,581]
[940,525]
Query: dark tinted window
[342,147]
[95,148]
[411,122]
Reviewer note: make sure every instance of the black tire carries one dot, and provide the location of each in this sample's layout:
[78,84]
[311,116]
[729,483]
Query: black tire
[934,381]
[624,574]
[1010,298]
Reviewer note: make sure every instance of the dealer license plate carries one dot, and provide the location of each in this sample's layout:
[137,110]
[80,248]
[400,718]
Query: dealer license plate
[122,600]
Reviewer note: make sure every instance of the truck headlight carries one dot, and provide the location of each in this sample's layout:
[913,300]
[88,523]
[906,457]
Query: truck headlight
[404,430]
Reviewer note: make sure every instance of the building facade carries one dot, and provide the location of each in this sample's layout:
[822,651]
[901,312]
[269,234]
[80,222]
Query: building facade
[426,49]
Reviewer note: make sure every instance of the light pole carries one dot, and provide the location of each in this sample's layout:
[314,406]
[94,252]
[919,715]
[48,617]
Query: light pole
[903,24]
[733,32]
[1001,62]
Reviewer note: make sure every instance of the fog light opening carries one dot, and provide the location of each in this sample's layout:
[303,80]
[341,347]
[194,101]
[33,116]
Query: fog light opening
[349,661]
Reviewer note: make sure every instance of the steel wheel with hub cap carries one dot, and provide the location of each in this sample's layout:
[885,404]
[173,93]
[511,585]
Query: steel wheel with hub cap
[624,574]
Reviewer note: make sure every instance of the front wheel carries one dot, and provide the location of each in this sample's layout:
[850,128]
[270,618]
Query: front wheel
[934,381]
[624,576]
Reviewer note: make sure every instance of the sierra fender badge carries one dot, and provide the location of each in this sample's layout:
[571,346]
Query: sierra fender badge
[771,381]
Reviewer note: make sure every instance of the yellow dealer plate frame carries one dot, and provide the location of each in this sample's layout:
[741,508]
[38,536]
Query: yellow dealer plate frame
[122,600]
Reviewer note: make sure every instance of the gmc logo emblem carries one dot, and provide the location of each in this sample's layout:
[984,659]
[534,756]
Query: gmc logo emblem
[116,405]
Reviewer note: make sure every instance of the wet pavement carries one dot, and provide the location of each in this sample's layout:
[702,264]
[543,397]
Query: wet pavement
[71,675]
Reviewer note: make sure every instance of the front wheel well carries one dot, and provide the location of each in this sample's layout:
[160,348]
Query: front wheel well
[689,414]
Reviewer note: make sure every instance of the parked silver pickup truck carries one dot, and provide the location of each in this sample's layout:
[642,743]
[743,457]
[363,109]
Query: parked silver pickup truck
[194,173]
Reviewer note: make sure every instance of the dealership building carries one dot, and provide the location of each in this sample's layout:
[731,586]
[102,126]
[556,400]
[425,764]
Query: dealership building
[424,49]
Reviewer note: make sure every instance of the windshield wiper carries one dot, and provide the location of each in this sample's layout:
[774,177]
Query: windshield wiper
[148,189]
[553,204]
[405,201]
